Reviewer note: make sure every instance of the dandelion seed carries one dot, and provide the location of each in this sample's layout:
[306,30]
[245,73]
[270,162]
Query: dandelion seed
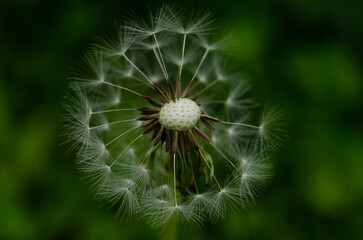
[161,125]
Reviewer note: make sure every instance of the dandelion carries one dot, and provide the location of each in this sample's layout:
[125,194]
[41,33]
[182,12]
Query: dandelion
[162,126]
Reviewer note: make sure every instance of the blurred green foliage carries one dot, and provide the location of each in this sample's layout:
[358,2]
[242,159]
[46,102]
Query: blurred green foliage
[304,55]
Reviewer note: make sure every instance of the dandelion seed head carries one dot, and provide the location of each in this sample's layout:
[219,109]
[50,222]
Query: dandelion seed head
[161,125]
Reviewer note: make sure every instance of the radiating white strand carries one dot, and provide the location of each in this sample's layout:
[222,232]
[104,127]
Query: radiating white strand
[122,134]
[182,58]
[226,141]
[210,169]
[224,156]
[141,72]
[176,202]
[209,86]
[214,101]
[201,62]
[160,64]
[163,172]
[139,80]
[114,110]
[108,124]
[191,166]
[161,56]
[127,147]
[241,124]
[142,162]
[118,86]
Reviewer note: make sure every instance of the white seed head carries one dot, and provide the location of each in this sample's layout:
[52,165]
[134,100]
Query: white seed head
[181,115]
[146,165]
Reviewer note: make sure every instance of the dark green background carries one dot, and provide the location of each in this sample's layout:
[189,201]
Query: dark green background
[305,55]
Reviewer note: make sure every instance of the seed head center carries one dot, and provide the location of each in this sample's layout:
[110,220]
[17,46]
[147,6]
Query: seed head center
[181,115]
